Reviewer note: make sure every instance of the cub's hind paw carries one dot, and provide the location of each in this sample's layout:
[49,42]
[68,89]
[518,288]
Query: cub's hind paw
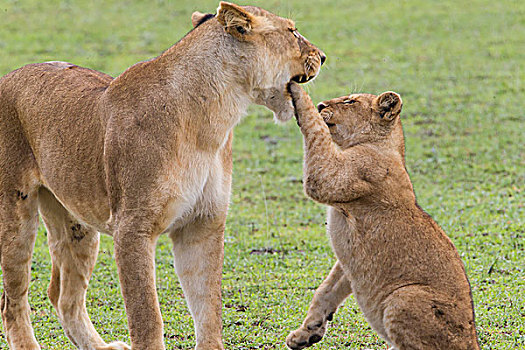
[304,337]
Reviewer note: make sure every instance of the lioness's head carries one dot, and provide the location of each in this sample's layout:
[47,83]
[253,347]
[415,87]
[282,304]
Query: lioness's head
[361,118]
[269,52]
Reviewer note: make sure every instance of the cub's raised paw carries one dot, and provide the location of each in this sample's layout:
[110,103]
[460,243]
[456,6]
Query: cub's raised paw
[118,345]
[303,337]
[301,102]
[296,92]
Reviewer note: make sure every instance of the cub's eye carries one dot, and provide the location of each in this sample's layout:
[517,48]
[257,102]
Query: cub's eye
[349,102]
[240,29]
[294,32]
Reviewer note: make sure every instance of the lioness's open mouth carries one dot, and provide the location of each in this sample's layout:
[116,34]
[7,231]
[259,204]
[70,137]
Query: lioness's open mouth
[301,79]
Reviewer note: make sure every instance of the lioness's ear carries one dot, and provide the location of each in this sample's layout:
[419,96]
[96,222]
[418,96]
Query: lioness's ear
[198,18]
[388,105]
[235,19]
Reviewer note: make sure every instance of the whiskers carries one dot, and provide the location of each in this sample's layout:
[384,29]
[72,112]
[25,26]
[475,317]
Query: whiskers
[355,88]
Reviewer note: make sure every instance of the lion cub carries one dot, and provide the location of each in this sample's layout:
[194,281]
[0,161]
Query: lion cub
[405,273]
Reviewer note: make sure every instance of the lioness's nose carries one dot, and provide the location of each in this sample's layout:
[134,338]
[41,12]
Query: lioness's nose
[323,57]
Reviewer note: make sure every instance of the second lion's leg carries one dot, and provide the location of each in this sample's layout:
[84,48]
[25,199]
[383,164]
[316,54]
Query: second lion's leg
[199,250]
[330,294]
[74,249]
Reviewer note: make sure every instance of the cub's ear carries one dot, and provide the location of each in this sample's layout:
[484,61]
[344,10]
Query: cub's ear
[388,105]
[198,18]
[237,21]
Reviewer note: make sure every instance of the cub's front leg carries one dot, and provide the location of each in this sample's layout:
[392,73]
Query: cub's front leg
[331,176]
[330,294]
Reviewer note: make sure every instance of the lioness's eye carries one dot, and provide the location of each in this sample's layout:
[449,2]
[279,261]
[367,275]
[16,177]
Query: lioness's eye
[349,102]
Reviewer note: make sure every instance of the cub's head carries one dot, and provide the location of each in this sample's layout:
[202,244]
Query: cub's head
[268,51]
[362,118]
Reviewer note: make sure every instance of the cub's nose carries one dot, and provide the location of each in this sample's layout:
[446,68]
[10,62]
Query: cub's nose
[322,56]
[321,106]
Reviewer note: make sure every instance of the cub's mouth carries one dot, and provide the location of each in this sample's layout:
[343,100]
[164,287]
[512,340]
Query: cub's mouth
[302,78]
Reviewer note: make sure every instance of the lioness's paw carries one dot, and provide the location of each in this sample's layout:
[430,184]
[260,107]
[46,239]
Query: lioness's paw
[118,345]
[305,337]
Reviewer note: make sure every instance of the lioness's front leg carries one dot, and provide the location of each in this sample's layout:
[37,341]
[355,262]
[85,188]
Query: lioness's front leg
[135,258]
[330,294]
[198,250]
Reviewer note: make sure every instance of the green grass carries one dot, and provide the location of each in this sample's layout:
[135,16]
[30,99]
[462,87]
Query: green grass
[460,68]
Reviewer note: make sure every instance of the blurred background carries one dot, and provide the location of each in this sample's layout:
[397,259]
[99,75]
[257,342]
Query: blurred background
[460,69]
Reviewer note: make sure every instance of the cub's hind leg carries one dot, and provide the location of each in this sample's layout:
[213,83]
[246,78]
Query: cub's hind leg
[415,318]
[74,250]
[330,294]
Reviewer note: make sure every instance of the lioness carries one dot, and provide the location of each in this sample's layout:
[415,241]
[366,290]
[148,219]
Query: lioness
[133,157]
[405,273]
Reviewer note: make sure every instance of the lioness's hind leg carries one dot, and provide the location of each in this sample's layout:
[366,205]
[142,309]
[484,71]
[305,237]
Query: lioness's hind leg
[74,249]
[330,294]
[18,225]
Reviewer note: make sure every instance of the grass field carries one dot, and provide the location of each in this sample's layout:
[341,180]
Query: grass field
[460,68]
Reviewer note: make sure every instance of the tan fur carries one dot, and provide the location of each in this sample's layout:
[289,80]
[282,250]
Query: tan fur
[405,273]
[145,153]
